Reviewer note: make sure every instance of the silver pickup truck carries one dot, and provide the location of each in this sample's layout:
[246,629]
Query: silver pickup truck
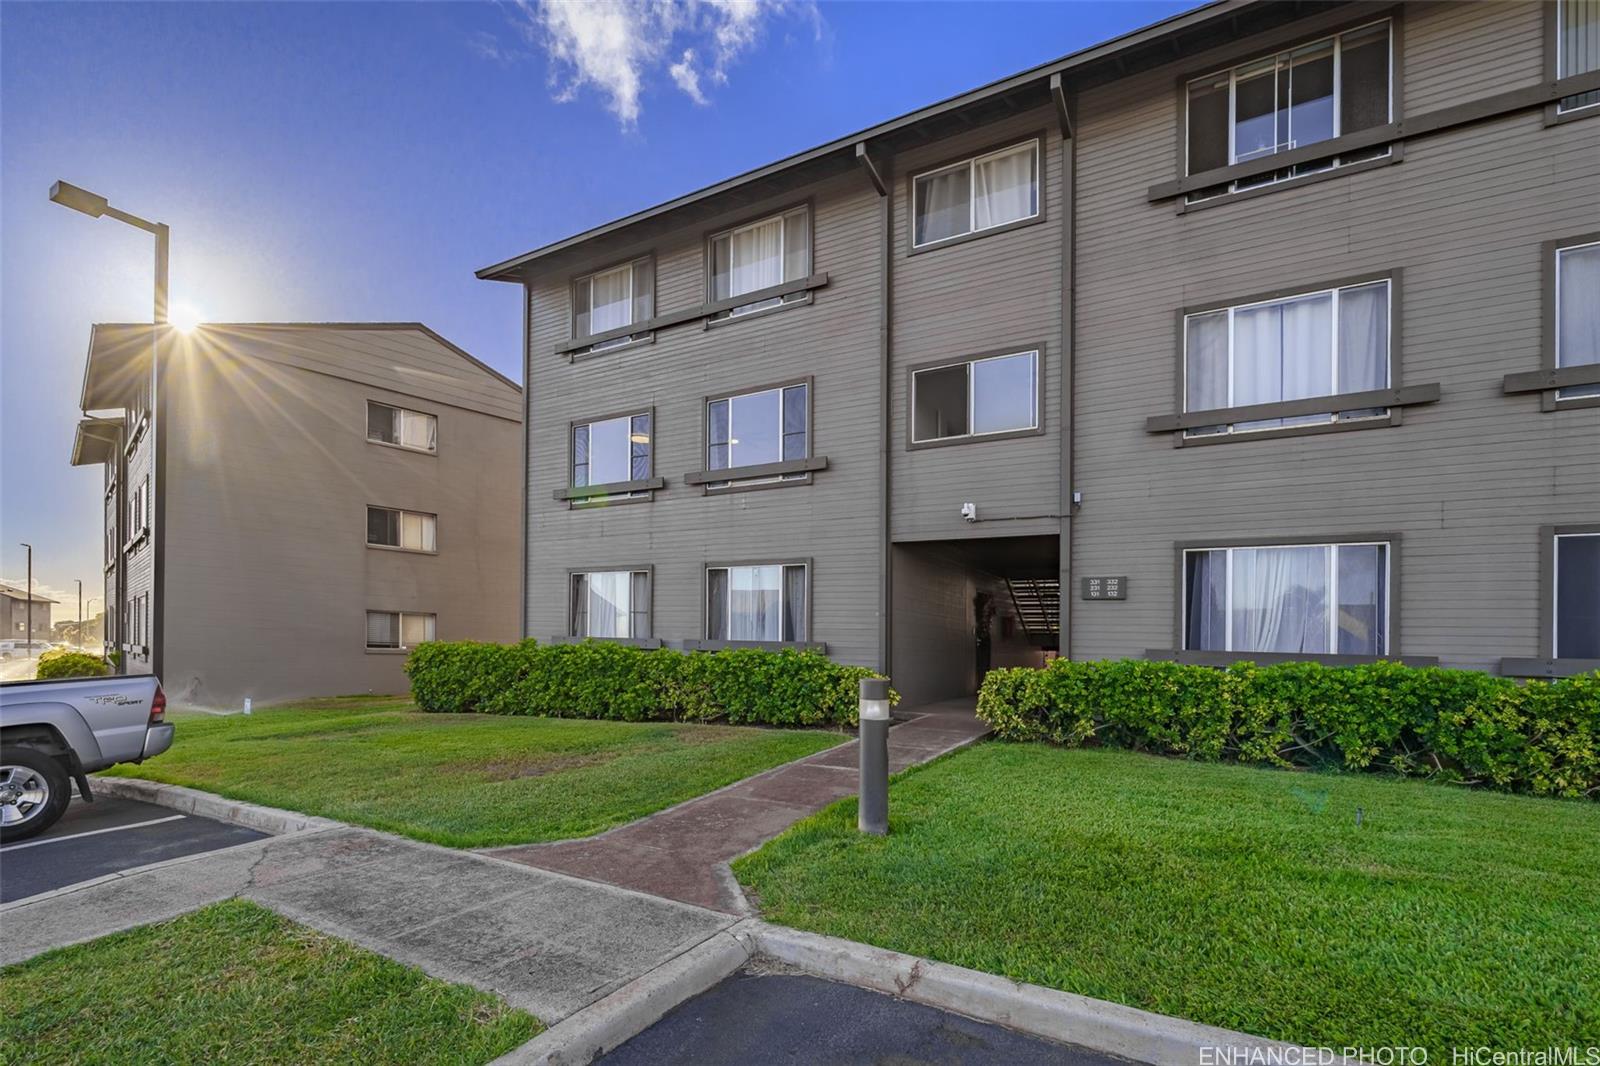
[55,732]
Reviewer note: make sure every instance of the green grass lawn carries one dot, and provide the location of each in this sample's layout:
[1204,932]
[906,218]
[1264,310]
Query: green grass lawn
[464,780]
[236,983]
[1239,897]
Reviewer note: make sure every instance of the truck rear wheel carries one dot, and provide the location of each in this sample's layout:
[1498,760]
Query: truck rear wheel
[33,792]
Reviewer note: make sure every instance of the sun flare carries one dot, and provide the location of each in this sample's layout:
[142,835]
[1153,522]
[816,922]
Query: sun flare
[185,317]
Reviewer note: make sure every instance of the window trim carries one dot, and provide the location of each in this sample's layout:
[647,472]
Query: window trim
[1040,174]
[1397,396]
[1038,428]
[1546,664]
[647,569]
[614,493]
[396,547]
[716,312]
[1180,653]
[710,481]
[367,429]
[707,643]
[1271,46]
[1550,378]
[582,346]
[401,649]
[1553,115]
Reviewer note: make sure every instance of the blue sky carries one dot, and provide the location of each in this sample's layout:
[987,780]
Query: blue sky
[358,161]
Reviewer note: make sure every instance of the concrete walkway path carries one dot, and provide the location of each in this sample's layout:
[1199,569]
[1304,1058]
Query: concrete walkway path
[682,853]
[546,943]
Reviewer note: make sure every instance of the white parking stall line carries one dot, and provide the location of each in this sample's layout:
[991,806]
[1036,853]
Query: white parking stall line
[90,833]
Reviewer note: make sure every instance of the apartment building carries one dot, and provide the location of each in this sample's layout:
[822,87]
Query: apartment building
[15,614]
[290,508]
[1270,331]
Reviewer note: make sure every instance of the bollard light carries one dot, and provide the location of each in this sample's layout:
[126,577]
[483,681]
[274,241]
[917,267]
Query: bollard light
[874,701]
[873,709]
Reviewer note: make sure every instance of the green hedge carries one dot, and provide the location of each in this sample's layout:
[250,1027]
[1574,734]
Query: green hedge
[600,679]
[64,662]
[1460,726]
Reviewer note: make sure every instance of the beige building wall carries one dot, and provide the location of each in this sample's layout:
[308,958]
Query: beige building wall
[267,573]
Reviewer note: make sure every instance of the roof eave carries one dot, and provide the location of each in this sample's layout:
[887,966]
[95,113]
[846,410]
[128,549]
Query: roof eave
[510,269]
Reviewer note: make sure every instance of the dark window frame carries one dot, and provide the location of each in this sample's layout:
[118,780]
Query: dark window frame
[1553,115]
[711,482]
[1547,665]
[1178,652]
[804,287]
[644,333]
[1549,379]
[572,636]
[1396,396]
[1038,429]
[614,493]
[707,643]
[396,547]
[1040,140]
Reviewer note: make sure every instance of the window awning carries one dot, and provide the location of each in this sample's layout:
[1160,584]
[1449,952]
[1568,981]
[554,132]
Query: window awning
[95,441]
[119,359]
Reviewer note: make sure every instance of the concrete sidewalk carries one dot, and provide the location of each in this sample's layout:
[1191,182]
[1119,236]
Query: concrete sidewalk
[546,943]
[682,853]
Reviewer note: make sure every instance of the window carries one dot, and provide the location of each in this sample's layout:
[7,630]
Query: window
[613,299]
[1317,92]
[1577,313]
[770,426]
[766,603]
[1326,343]
[412,530]
[999,394]
[402,428]
[1320,599]
[397,629]
[1577,592]
[975,195]
[139,509]
[611,603]
[611,451]
[1577,47]
[759,255]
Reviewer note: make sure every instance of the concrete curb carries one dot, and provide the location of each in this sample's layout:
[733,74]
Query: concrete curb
[582,1037]
[1060,1016]
[206,805]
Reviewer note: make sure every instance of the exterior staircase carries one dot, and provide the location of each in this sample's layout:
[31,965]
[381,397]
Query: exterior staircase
[1037,601]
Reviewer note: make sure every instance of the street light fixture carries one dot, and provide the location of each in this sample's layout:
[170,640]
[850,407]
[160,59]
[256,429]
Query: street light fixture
[96,206]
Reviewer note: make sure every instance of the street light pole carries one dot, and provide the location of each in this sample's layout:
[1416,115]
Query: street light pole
[29,614]
[80,611]
[93,205]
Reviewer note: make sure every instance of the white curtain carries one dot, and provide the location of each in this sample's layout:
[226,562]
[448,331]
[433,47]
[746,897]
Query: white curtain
[1003,188]
[417,531]
[1280,599]
[944,205]
[1578,333]
[1364,338]
[755,602]
[611,299]
[608,603]
[419,430]
[415,629]
[757,254]
[1205,378]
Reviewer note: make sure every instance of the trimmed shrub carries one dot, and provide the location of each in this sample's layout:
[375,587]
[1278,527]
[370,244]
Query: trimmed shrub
[64,662]
[1460,726]
[602,679]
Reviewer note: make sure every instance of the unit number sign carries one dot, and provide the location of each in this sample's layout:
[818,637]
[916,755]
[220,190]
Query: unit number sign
[1105,588]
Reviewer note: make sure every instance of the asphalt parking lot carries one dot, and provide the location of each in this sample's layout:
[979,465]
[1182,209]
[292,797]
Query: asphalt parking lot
[103,837]
[768,1017]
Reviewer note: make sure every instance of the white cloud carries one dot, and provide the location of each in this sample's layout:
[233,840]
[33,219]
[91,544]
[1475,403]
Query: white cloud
[685,77]
[620,47]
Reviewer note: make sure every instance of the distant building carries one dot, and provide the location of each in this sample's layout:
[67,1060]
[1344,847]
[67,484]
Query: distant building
[290,508]
[14,614]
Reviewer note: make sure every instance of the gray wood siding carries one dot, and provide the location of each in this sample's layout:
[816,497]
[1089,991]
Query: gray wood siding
[835,521]
[995,292]
[1467,481]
